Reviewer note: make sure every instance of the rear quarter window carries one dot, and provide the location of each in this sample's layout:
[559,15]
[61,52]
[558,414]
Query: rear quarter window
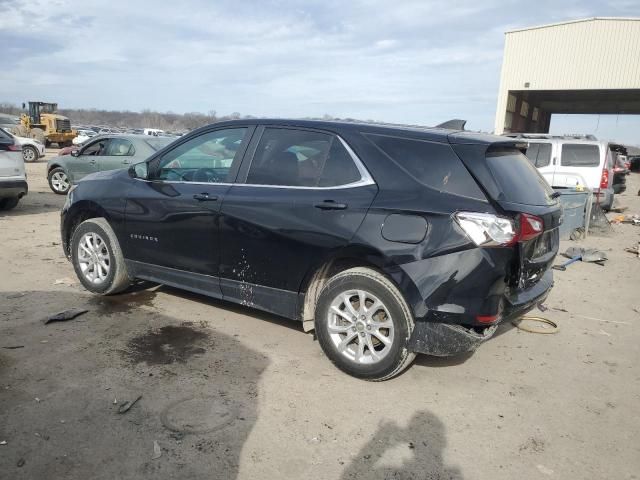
[435,165]
[580,155]
[518,179]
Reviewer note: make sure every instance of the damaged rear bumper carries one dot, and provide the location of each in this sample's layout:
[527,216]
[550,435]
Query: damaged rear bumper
[444,339]
[447,339]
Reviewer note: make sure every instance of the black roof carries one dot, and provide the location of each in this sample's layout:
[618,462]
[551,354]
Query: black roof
[434,134]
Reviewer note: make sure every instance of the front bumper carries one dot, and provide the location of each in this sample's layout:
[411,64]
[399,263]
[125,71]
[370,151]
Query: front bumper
[13,188]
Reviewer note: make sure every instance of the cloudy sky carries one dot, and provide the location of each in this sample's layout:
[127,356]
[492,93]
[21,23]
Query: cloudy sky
[410,61]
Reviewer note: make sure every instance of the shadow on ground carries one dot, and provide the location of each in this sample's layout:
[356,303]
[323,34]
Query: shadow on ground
[62,385]
[35,203]
[395,452]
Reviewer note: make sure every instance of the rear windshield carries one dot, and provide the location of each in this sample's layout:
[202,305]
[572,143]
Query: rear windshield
[158,143]
[539,154]
[580,155]
[435,165]
[518,179]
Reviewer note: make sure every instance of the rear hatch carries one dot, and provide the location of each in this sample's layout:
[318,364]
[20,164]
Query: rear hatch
[11,163]
[519,190]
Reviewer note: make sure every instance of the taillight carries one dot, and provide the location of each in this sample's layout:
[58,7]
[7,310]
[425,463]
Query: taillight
[604,179]
[530,227]
[488,230]
[487,318]
[14,148]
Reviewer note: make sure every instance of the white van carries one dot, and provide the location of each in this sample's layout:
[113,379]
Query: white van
[156,132]
[567,162]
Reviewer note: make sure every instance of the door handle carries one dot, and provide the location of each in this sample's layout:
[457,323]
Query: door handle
[330,205]
[205,197]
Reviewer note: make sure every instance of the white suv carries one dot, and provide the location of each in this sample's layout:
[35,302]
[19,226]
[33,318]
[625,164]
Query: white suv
[13,179]
[566,162]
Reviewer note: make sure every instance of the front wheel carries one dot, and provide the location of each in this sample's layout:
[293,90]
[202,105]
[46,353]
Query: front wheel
[29,153]
[363,325]
[97,258]
[59,181]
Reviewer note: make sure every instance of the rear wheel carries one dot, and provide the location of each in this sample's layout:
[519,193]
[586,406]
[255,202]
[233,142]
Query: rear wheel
[29,153]
[9,203]
[97,258]
[59,181]
[363,325]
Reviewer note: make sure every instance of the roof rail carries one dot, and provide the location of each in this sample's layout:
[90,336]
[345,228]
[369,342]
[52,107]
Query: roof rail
[576,136]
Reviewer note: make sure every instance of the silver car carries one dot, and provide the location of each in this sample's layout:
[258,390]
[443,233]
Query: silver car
[104,152]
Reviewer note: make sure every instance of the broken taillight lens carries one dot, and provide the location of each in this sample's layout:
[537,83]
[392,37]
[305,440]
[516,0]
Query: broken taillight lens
[486,229]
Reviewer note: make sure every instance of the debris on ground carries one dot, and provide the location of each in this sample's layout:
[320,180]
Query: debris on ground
[632,219]
[590,255]
[13,347]
[157,453]
[126,406]
[634,250]
[577,234]
[3,442]
[65,281]
[65,315]
[563,267]
[20,463]
[533,324]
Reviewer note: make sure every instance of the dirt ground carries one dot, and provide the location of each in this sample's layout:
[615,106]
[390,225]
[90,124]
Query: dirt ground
[228,392]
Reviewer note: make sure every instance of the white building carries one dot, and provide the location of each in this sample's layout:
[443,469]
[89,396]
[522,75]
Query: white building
[589,66]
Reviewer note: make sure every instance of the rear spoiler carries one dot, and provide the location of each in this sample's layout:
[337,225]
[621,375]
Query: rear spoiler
[455,124]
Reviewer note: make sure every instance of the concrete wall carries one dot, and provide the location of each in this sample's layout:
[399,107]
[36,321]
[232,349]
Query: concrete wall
[592,54]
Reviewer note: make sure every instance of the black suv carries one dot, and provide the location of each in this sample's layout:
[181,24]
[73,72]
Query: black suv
[386,240]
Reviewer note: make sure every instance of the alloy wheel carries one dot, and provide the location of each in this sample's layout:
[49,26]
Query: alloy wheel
[60,182]
[360,326]
[93,258]
[28,154]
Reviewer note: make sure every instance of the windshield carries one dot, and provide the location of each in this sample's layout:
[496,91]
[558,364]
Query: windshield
[518,179]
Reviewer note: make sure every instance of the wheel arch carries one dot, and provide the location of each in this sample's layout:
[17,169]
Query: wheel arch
[78,213]
[344,259]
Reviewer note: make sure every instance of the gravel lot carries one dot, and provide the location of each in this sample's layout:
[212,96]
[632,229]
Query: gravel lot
[228,392]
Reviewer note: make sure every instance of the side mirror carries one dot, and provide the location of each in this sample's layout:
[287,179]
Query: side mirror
[75,153]
[139,170]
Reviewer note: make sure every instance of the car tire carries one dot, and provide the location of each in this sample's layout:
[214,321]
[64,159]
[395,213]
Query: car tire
[9,203]
[59,181]
[382,320]
[30,153]
[97,258]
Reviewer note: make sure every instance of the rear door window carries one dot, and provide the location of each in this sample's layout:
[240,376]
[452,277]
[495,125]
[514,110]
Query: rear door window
[435,165]
[301,158]
[518,179]
[539,154]
[580,155]
[120,147]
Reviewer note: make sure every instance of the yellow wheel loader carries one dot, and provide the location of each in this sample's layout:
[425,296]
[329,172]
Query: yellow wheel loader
[42,123]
